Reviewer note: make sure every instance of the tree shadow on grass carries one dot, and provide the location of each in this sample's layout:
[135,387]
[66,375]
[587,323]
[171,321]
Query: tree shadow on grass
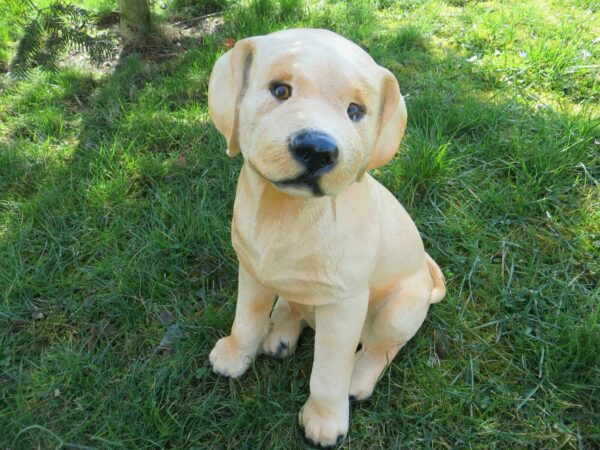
[138,120]
[132,219]
[118,216]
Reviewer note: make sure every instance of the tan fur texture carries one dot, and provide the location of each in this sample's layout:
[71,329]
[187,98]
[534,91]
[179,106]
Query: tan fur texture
[350,264]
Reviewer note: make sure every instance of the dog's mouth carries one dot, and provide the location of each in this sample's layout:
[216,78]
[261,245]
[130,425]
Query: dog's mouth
[300,184]
[305,180]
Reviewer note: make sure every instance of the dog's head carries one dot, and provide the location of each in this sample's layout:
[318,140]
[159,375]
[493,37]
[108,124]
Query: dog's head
[309,110]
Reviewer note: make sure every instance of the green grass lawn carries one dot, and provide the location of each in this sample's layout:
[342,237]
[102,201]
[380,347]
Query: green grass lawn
[115,204]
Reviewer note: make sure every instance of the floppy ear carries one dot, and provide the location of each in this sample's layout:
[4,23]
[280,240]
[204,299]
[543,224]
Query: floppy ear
[392,122]
[226,87]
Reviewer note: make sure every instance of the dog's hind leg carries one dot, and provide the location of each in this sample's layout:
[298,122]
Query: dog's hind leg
[286,324]
[398,320]
[369,364]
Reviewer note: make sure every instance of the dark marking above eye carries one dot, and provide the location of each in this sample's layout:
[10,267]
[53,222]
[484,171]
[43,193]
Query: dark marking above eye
[281,91]
[355,112]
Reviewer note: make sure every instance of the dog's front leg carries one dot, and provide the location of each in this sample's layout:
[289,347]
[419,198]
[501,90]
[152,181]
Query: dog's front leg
[233,354]
[325,416]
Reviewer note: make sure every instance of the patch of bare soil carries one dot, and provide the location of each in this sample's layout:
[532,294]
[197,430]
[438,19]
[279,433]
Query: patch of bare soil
[168,41]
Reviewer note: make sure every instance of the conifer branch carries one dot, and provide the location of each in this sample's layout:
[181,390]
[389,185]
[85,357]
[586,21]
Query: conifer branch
[54,30]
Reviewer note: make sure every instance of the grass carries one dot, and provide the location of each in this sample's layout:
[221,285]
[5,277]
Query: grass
[115,202]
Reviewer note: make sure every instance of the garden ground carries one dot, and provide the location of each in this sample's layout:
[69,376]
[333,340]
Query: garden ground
[115,205]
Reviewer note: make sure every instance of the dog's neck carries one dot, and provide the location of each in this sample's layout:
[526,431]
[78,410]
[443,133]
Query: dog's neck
[257,197]
[265,196]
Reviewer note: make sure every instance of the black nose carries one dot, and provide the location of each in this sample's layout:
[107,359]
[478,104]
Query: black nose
[314,150]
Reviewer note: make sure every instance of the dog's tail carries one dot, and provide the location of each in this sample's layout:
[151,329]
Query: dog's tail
[439,287]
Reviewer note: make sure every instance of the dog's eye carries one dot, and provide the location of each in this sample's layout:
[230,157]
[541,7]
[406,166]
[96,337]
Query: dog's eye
[281,91]
[355,112]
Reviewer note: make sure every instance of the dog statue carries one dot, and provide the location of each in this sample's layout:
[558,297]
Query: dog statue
[312,113]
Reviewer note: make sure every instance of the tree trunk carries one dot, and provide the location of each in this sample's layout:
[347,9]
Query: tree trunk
[134,20]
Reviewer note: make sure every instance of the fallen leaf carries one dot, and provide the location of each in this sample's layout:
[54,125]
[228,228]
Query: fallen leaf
[172,335]
[166,318]
[165,350]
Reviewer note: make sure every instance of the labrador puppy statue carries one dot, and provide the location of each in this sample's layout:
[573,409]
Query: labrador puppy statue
[312,113]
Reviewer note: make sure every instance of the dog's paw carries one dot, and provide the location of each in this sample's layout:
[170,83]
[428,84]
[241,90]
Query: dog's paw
[361,390]
[277,349]
[227,360]
[368,367]
[282,339]
[324,426]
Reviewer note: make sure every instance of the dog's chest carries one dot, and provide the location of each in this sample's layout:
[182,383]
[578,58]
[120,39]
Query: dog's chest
[306,256]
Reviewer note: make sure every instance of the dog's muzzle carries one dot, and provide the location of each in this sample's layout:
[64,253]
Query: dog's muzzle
[318,153]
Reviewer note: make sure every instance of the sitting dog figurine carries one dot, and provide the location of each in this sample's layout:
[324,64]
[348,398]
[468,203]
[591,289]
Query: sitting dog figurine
[311,113]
